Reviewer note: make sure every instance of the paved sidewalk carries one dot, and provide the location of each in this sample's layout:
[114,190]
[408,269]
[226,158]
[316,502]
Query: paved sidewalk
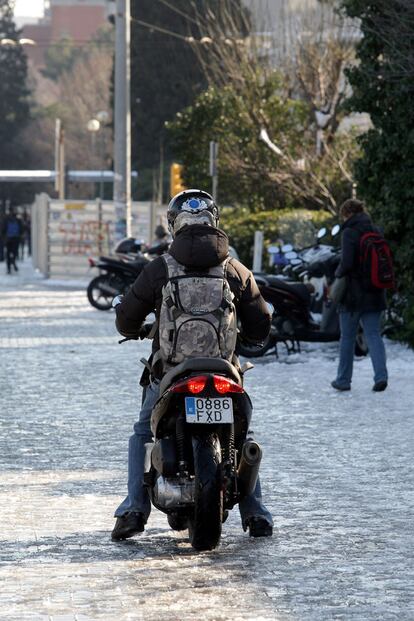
[337,476]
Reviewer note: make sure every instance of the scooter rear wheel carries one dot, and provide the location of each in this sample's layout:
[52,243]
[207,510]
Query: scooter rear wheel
[204,526]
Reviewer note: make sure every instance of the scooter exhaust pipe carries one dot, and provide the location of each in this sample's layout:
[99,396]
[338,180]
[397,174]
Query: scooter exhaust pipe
[248,471]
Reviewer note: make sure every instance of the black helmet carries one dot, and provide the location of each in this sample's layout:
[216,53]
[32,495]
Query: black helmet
[192,203]
[128,245]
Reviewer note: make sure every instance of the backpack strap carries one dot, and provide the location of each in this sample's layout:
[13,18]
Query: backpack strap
[174,269]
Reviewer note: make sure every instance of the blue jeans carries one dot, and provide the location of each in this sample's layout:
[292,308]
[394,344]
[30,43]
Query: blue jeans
[349,323]
[138,499]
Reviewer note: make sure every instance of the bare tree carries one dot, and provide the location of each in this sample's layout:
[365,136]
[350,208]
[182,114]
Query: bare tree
[319,70]
[318,46]
[77,97]
[84,92]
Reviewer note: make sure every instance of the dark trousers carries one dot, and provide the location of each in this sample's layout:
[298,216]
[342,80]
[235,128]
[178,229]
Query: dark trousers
[12,250]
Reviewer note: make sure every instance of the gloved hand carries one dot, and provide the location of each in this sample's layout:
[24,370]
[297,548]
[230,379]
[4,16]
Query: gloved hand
[117,300]
[145,331]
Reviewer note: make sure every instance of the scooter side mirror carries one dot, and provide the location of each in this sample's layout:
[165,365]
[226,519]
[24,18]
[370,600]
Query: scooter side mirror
[321,233]
[287,248]
[296,262]
[335,230]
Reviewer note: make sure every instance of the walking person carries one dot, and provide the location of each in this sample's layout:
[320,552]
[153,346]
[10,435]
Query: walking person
[362,302]
[12,231]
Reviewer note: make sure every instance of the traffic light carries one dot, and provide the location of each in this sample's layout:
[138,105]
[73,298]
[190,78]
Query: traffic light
[176,180]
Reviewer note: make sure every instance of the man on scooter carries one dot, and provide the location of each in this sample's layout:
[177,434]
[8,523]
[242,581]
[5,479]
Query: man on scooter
[199,244]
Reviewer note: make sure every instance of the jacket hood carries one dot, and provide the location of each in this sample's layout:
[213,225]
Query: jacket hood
[200,246]
[358,220]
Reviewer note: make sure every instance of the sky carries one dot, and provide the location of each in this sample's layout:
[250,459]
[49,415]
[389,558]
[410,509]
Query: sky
[28,8]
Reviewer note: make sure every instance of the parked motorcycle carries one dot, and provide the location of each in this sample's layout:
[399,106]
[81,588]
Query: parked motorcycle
[119,272]
[295,317]
[115,278]
[201,462]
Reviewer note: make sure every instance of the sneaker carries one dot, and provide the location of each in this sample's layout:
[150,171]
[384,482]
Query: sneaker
[380,386]
[259,527]
[128,525]
[337,386]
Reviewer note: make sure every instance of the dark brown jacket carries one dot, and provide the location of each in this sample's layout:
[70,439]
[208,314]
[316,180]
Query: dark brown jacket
[197,247]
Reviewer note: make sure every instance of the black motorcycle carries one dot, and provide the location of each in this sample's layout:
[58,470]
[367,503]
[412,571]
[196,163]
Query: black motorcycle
[117,274]
[292,304]
[201,462]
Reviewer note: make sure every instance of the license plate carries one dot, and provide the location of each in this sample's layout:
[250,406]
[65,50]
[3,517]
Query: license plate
[208,411]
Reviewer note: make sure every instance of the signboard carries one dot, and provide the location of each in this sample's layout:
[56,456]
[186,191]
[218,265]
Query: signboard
[75,205]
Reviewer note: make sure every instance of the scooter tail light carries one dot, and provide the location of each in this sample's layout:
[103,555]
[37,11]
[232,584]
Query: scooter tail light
[224,385]
[193,385]
[91,262]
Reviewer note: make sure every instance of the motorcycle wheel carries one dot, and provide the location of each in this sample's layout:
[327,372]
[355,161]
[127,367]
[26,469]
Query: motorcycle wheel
[253,351]
[98,298]
[361,346]
[204,526]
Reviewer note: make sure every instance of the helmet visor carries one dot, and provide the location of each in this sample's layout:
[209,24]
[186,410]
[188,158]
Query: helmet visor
[185,218]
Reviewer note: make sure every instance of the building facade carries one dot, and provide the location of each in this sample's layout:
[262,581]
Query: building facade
[77,20]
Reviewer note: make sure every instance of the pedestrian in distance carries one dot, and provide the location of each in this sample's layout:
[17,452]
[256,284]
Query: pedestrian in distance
[12,231]
[367,269]
[2,246]
[198,244]
[161,241]
[161,235]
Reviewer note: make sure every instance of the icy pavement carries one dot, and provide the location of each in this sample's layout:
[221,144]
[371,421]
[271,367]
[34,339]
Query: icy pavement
[337,475]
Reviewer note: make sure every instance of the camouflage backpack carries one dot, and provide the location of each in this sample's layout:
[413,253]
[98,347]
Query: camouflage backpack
[197,316]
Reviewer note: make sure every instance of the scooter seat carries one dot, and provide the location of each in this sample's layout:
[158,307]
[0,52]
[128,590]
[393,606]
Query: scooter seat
[199,364]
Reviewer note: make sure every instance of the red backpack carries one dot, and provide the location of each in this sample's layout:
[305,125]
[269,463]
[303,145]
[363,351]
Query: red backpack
[375,261]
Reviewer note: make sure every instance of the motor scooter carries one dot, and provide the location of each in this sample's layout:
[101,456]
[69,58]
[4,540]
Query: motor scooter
[201,462]
[119,272]
[116,276]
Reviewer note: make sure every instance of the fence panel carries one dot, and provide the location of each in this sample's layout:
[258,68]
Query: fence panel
[66,233]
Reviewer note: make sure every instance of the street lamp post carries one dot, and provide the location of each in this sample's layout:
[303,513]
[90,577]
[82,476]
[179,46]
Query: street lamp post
[93,126]
[96,127]
[103,118]
[122,120]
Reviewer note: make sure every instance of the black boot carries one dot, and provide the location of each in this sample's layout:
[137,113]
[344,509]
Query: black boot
[259,527]
[128,525]
[380,386]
